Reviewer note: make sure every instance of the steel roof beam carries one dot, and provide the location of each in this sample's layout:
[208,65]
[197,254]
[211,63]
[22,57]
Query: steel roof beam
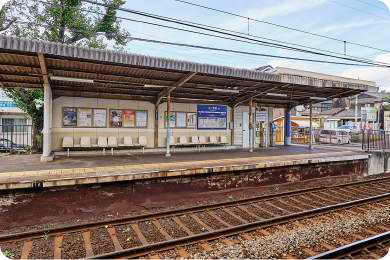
[177,84]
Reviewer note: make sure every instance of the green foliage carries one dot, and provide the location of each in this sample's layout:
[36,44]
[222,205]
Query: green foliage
[230,196]
[9,254]
[126,230]
[46,235]
[387,99]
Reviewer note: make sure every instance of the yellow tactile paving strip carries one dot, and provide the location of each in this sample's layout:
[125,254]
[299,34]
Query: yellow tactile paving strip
[173,166]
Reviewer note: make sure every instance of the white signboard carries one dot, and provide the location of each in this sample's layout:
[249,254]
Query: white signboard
[260,117]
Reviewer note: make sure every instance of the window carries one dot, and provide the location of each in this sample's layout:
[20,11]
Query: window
[14,123]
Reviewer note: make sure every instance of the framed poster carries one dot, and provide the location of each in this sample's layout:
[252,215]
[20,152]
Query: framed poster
[85,117]
[260,117]
[128,118]
[172,119]
[69,117]
[141,118]
[212,117]
[99,117]
[116,117]
[191,120]
[181,120]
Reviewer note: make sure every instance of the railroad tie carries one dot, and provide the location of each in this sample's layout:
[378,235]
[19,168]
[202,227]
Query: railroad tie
[201,222]
[298,224]
[139,234]
[293,206]
[246,236]
[111,231]
[309,252]
[327,246]
[357,236]
[375,256]
[345,242]
[250,213]
[227,242]
[266,211]
[370,231]
[281,228]
[265,232]
[309,199]
[312,221]
[327,218]
[206,247]
[154,256]
[87,242]
[177,220]
[218,218]
[182,252]
[272,205]
[298,201]
[383,228]
[352,212]
[234,215]
[162,231]
[57,247]
[26,249]
[338,214]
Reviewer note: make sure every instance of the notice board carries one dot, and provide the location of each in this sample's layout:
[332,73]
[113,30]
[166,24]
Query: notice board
[212,117]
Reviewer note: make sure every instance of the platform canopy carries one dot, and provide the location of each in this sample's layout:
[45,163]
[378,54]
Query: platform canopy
[95,73]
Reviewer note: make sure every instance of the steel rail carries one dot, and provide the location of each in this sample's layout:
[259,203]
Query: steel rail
[123,220]
[171,244]
[352,248]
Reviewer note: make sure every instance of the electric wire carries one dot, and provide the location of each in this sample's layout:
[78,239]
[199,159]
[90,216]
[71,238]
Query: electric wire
[225,33]
[278,25]
[359,10]
[373,5]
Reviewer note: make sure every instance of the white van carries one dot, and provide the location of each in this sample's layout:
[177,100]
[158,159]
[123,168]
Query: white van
[335,136]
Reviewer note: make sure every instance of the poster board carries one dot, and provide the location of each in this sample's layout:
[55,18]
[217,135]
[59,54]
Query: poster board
[84,117]
[260,117]
[191,120]
[212,117]
[172,119]
[99,117]
[69,117]
[116,117]
[181,120]
[141,118]
[128,118]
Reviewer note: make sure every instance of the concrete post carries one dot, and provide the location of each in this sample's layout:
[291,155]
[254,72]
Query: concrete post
[287,127]
[250,126]
[270,121]
[311,126]
[356,110]
[168,123]
[46,132]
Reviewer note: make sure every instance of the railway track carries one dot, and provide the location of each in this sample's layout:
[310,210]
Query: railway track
[168,231]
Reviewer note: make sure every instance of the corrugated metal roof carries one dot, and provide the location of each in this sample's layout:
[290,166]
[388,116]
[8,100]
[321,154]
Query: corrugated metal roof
[124,75]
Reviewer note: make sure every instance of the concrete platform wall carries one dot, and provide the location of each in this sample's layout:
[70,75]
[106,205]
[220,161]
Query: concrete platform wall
[378,163]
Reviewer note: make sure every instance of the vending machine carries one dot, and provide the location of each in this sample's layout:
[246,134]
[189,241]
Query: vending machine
[263,134]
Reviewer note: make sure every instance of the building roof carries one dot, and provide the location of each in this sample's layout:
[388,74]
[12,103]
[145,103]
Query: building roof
[29,63]
[331,111]
[369,98]
[347,113]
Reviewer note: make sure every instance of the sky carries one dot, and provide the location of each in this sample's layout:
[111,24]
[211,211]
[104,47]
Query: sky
[365,22]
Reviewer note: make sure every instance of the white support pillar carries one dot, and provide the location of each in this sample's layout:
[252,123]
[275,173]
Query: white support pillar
[250,126]
[46,132]
[311,126]
[168,124]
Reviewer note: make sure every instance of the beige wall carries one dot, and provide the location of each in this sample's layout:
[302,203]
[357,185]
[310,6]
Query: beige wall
[59,132]
[177,132]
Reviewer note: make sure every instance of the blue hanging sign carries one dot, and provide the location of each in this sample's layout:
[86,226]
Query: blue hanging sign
[212,117]
[7,104]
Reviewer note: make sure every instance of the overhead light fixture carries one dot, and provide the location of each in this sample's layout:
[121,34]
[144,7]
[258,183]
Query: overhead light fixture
[71,79]
[276,94]
[318,98]
[227,90]
[155,86]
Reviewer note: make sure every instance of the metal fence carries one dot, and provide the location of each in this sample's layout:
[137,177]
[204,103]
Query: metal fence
[15,137]
[376,140]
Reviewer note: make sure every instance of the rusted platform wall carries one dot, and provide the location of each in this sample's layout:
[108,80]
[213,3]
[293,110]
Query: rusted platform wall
[49,205]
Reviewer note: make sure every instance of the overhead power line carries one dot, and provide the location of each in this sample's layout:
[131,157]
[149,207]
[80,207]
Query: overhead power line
[373,5]
[246,38]
[359,10]
[282,26]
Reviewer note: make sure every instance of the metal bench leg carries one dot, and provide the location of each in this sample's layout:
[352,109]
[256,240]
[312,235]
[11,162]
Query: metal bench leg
[104,151]
[173,148]
[68,152]
[112,151]
[204,147]
[143,149]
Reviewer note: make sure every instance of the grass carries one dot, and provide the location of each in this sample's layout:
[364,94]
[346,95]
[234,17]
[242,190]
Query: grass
[46,235]
[9,254]
[126,230]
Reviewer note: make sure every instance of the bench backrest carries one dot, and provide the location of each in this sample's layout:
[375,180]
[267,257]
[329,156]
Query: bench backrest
[213,139]
[102,141]
[195,140]
[85,141]
[128,141]
[202,139]
[112,141]
[224,139]
[183,140]
[172,140]
[67,141]
[142,140]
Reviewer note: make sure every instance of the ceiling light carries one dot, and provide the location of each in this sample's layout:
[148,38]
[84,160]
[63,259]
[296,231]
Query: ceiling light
[318,98]
[276,94]
[155,86]
[71,79]
[227,90]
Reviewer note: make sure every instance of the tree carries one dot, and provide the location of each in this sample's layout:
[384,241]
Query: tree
[387,99]
[62,21]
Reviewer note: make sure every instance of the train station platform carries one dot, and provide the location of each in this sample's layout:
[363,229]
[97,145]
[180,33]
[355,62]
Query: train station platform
[21,172]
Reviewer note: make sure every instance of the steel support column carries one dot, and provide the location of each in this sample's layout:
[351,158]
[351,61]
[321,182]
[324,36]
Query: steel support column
[287,127]
[46,131]
[311,126]
[168,123]
[250,126]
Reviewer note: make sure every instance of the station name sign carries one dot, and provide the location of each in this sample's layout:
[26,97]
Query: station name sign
[212,117]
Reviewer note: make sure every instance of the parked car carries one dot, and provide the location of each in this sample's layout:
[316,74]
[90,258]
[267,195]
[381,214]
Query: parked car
[350,129]
[5,146]
[335,136]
